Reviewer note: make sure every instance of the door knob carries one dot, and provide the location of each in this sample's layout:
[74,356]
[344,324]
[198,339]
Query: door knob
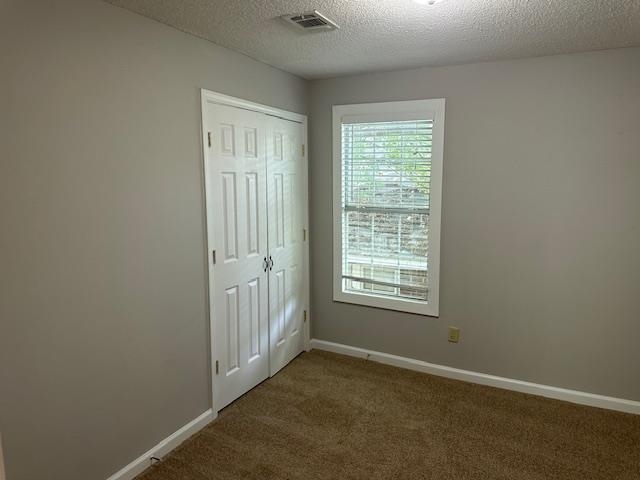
[270,263]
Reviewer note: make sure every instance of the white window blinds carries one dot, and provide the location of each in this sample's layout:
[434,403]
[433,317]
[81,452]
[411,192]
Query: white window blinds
[386,179]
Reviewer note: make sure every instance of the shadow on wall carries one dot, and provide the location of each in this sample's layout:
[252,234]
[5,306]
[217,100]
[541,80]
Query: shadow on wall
[2,475]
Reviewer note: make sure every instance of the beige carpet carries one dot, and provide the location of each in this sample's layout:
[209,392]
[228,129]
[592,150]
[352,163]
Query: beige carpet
[327,416]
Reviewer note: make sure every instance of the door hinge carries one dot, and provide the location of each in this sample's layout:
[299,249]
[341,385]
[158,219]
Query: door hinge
[304,234]
[209,138]
[303,150]
[213,257]
[217,367]
[304,316]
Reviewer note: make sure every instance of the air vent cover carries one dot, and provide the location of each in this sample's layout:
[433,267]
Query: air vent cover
[310,21]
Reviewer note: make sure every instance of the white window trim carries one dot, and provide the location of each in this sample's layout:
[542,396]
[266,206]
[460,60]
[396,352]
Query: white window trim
[389,111]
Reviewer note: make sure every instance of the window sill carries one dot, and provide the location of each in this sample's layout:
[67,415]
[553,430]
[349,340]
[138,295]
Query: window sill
[379,301]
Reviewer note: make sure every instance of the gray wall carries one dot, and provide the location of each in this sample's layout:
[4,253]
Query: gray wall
[103,328]
[540,264]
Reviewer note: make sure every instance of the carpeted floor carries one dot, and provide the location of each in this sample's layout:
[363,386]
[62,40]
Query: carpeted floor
[327,416]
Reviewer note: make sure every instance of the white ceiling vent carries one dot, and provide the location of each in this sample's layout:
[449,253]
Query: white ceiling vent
[310,21]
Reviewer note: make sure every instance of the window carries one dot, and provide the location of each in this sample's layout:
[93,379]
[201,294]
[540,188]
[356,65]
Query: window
[387,176]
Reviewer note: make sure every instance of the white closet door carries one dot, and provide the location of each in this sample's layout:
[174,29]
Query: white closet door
[286,274]
[235,165]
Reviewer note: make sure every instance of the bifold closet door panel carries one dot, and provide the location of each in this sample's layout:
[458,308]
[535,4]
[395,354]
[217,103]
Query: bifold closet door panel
[285,212]
[238,246]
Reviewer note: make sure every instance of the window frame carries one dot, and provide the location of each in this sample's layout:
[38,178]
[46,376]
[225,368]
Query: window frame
[392,111]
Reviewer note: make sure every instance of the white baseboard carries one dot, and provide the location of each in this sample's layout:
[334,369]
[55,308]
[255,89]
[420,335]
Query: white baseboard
[143,462]
[573,396]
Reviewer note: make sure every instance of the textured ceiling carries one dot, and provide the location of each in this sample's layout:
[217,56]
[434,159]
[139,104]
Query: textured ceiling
[377,35]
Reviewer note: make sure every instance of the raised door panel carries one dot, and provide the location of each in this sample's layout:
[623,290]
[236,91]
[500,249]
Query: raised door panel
[232,324]
[278,211]
[253,214]
[230,217]
[254,306]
